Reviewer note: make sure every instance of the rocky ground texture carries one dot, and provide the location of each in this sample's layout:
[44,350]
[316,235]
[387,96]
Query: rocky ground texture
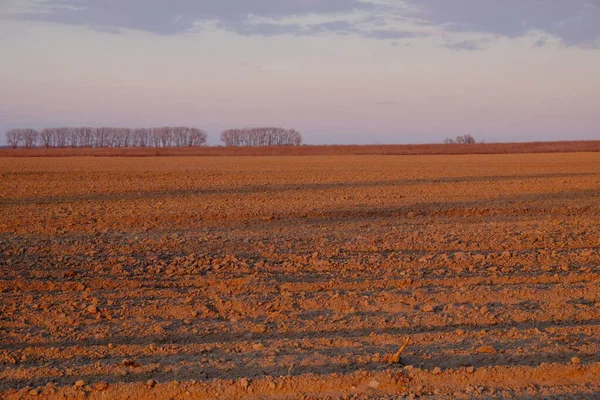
[300,277]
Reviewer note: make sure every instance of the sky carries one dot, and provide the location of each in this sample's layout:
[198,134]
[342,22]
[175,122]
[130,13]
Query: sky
[339,71]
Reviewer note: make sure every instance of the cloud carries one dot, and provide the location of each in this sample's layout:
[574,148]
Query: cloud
[167,17]
[470,45]
[574,22]
[280,28]
[391,34]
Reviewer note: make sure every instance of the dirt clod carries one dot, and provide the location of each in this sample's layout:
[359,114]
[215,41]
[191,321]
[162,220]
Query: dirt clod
[487,350]
[100,385]
[374,384]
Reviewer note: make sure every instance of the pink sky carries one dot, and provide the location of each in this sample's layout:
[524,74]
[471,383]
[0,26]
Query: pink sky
[339,72]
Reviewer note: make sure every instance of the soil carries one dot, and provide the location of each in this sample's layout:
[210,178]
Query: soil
[300,277]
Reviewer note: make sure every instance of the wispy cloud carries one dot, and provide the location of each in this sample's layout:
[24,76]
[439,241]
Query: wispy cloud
[574,22]
[179,16]
[469,45]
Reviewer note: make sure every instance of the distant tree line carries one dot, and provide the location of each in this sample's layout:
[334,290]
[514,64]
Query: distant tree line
[177,136]
[266,136]
[464,139]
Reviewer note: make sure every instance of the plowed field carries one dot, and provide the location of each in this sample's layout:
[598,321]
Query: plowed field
[299,277]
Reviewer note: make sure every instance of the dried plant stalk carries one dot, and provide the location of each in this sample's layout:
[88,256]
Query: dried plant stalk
[395,358]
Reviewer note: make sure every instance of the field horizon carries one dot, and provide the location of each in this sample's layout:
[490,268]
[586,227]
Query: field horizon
[308,150]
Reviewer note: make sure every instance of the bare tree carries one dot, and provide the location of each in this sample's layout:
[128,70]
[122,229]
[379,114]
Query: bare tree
[180,135]
[14,137]
[166,135]
[140,137]
[469,139]
[102,138]
[266,136]
[30,138]
[62,137]
[47,137]
[464,139]
[86,136]
[197,138]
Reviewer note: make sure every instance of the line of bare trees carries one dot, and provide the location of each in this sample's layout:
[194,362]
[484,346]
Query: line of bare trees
[266,136]
[464,139]
[177,136]
[18,137]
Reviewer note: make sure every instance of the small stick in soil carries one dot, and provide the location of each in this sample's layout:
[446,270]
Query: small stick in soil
[395,358]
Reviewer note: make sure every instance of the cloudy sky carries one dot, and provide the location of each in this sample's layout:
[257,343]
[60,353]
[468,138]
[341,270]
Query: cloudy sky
[339,71]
